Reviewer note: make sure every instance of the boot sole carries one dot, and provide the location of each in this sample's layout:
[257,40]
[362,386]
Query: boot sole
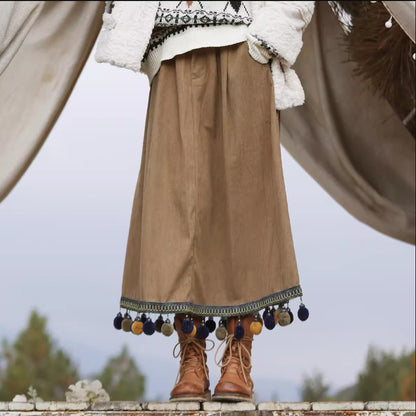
[232,397]
[192,398]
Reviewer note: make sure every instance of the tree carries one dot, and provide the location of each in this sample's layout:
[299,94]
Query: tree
[34,360]
[386,377]
[408,388]
[314,389]
[121,377]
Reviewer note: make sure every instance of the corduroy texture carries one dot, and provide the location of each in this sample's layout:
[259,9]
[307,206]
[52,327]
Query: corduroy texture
[210,223]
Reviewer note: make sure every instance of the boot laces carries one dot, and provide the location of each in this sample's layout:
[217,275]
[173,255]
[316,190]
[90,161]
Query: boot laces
[192,353]
[228,356]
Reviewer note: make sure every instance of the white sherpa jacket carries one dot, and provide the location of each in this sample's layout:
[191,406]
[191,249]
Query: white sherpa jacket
[277,26]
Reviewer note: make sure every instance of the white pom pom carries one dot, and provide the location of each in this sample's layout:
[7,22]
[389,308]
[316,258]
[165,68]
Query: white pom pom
[414,56]
[389,23]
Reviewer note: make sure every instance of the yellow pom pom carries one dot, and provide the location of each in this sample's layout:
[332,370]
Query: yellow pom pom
[256,327]
[192,334]
[137,327]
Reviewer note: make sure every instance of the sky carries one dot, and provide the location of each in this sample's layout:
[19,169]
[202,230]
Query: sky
[63,235]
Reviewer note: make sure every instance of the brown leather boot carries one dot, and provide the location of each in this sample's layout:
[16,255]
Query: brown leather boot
[192,382]
[235,383]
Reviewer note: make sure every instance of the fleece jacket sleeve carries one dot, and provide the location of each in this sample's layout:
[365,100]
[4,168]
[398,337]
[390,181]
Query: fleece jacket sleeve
[277,29]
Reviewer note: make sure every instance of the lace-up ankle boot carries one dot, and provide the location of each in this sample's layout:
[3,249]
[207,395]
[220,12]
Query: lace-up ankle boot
[192,381]
[235,383]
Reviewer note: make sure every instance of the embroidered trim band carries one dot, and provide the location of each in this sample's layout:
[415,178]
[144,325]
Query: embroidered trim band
[208,310]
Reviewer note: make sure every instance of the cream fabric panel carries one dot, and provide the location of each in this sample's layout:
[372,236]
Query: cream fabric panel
[44,46]
[351,142]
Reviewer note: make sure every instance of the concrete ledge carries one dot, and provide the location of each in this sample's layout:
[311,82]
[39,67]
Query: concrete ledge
[338,406]
[211,408]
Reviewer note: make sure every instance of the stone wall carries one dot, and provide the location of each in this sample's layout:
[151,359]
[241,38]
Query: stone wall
[209,409]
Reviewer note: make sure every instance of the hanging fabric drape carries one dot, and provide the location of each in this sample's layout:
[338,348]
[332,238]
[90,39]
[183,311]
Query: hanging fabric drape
[348,139]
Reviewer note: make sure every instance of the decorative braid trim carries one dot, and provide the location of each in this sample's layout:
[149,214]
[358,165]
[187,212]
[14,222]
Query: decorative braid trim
[209,310]
[267,45]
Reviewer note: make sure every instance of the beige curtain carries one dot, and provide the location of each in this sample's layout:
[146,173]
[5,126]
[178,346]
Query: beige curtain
[43,48]
[351,142]
[348,140]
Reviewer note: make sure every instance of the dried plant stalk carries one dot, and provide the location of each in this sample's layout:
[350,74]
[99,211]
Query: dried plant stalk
[383,56]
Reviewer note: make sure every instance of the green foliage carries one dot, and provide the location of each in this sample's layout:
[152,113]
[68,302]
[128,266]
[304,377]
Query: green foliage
[34,360]
[408,387]
[121,377]
[314,389]
[386,377]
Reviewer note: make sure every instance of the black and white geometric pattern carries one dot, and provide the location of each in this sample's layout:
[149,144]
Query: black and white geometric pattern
[175,17]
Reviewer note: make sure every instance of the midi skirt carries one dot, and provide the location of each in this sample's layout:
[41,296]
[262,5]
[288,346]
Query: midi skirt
[210,233]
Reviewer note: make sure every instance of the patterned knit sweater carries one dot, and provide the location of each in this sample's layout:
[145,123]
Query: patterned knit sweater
[181,26]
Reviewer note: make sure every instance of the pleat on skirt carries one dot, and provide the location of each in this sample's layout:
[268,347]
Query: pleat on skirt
[210,233]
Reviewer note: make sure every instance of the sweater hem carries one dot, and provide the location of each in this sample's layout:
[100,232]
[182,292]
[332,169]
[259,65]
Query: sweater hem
[192,38]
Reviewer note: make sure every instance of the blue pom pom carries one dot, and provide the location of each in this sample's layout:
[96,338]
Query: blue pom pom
[303,312]
[117,321]
[187,326]
[210,324]
[269,321]
[149,327]
[202,332]
[266,311]
[143,318]
[239,331]
[291,315]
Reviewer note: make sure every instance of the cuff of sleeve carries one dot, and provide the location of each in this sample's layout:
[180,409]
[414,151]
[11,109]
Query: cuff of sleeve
[281,38]
[257,50]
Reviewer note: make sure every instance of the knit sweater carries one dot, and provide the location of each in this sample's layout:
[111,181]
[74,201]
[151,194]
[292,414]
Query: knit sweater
[274,36]
[185,25]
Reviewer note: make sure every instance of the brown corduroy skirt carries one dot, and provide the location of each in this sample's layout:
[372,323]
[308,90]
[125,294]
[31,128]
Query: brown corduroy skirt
[210,233]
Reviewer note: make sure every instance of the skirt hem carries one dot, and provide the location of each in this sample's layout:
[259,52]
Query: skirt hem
[209,310]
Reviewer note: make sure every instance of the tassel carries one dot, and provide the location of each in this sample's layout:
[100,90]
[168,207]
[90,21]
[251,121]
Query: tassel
[303,312]
[202,332]
[158,324]
[167,328]
[126,322]
[211,325]
[221,331]
[137,326]
[187,326]
[256,326]
[269,321]
[117,321]
[389,23]
[149,327]
[290,314]
[239,330]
